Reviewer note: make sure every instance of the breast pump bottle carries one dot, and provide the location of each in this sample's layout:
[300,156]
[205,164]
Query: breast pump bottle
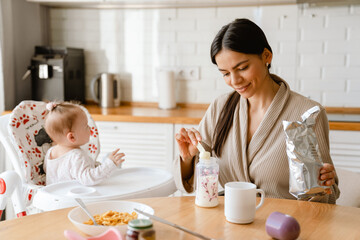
[207,175]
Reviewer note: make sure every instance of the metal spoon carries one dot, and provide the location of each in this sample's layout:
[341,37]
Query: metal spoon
[200,147]
[83,207]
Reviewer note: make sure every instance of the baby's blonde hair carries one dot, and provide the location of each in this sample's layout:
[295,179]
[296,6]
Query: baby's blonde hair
[60,118]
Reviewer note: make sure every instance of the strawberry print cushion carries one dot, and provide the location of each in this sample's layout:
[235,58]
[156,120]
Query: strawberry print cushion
[26,125]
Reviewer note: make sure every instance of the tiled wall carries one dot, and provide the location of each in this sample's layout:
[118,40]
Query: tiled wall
[316,49]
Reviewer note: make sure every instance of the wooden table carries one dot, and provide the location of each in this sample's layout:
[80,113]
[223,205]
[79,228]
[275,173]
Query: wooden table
[317,221]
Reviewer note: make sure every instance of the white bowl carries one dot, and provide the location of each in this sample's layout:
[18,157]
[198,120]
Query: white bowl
[77,216]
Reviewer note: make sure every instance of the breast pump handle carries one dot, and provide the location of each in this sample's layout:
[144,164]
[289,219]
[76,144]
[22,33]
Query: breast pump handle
[11,186]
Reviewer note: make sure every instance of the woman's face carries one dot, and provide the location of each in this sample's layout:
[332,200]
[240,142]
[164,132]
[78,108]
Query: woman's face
[245,73]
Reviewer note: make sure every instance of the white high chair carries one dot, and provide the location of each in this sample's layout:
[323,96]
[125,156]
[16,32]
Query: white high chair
[26,142]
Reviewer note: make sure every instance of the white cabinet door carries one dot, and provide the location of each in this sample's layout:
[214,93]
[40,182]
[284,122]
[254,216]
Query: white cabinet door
[144,144]
[345,149]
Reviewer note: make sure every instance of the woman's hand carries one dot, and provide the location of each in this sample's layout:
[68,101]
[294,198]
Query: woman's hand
[187,140]
[327,174]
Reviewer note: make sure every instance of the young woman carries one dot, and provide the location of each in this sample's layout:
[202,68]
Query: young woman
[243,129]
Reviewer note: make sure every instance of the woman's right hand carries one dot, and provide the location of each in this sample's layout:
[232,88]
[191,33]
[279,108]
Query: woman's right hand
[187,140]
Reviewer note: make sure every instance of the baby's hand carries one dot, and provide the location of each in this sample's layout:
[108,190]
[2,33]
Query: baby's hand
[117,157]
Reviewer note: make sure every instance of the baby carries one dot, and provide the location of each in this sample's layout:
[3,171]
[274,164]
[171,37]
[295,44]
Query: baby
[67,125]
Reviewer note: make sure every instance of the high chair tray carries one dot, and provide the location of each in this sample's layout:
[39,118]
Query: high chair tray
[124,183]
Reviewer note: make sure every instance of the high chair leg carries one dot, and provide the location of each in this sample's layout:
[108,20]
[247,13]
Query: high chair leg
[10,185]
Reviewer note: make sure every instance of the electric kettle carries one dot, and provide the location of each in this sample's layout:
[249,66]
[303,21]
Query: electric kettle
[105,90]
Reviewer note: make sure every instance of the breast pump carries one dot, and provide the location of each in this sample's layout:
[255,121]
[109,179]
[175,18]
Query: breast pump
[11,186]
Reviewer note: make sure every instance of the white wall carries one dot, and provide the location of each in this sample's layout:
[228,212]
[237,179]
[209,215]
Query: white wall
[316,49]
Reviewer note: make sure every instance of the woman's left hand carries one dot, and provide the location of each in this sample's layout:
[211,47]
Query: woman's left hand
[327,174]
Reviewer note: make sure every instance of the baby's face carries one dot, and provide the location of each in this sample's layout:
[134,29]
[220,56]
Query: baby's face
[81,129]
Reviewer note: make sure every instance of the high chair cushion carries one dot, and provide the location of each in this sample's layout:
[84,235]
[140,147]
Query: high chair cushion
[32,142]
[26,126]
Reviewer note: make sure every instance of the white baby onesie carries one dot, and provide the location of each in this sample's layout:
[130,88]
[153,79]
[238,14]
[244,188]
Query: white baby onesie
[76,165]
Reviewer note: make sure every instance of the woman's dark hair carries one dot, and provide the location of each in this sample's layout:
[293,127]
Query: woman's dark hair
[244,36]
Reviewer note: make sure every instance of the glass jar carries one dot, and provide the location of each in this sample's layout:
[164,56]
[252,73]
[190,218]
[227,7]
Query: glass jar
[140,229]
[207,175]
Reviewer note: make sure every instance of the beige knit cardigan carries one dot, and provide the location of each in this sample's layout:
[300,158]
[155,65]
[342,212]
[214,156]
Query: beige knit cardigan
[264,160]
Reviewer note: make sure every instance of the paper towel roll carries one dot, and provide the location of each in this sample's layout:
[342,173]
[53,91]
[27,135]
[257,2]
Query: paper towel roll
[166,89]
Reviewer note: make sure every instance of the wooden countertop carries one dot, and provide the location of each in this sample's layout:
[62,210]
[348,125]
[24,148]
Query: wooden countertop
[317,221]
[148,113]
[193,113]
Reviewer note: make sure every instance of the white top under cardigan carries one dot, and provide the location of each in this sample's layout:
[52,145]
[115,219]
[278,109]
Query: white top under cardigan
[263,161]
[76,165]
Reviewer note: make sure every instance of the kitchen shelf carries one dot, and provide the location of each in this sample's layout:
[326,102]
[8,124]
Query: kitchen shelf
[122,4]
[111,4]
[327,2]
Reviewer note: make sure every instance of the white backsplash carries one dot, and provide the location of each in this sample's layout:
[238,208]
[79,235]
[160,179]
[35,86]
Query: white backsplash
[316,49]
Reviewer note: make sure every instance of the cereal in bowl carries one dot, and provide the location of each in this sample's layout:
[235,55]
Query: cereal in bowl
[113,218]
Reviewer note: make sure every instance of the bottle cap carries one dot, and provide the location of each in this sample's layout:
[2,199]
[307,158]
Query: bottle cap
[140,223]
[205,155]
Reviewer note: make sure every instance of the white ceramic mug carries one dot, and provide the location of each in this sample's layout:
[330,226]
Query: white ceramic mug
[240,202]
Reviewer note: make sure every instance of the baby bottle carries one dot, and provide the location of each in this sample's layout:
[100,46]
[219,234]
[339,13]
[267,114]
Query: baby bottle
[207,174]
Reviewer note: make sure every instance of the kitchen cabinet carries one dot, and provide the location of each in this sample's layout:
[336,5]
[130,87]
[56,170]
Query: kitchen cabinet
[144,144]
[345,149]
[154,144]
[158,3]
[67,1]
[183,3]
[140,121]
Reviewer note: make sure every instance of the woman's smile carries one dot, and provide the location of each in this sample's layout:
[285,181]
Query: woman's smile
[242,89]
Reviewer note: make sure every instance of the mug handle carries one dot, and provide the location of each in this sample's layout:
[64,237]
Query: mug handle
[262,193]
